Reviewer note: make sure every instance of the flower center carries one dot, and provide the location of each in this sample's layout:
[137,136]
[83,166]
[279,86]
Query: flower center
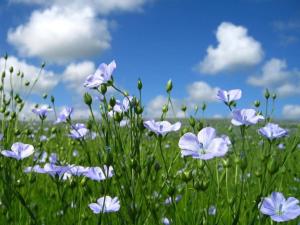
[279,212]
[160,127]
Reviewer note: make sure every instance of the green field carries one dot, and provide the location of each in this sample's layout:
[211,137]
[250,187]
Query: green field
[152,181]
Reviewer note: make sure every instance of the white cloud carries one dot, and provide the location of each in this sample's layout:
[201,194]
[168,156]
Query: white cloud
[61,34]
[101,6]
[47,81]
[287,89]
[75,74]
[154,108]
[273,71]
[276,75]
[291,111]
[235,49]
[201,91]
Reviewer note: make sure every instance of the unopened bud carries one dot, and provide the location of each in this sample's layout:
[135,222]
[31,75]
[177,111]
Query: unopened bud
[140,84]
[169,86]
[87,99]
[257,103]
[103,89]
[112,102]
[267,94]
[192,121]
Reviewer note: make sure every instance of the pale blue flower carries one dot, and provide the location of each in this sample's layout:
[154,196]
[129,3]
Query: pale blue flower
[161,127]
[101,76]
[42,112]
[19,151]
[279,208]
[105,204]
[204,146]
[272,131]
[245,117]
[79,131]
[229,96]
[64,115]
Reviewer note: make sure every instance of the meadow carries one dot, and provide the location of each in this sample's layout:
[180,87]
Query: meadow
[119,167]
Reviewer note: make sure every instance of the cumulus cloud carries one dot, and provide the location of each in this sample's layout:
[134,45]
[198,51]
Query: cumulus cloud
[154,108]
[274,71]
[276,75]
[75,74]
[287,89]
[235,49]
[201,91]
[291,111]
[61,34]
[101,6]
[47,81]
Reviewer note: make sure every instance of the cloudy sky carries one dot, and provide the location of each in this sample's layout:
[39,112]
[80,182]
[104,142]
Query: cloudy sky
[201,45]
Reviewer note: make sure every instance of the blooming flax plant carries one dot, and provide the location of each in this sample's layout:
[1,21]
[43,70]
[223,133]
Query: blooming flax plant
[223,177]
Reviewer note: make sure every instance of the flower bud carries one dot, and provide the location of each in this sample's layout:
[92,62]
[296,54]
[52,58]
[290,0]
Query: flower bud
[138,110]
[169,86]
[6,114]
[13,115]
[2,109]
[112,102]
[6,56]
[267,94]
[118,117]
[192,121]
[274,96]
[3,75]
[52,99]
[183,108]
[171,190]
[226,163]
[199,126]
[103,89]
[186,176]
[11,69]
[203,106]
[140,84]
[53,130]
[17,132]
[45,96]
[27,83]
[165,109]
[43,65]
[87,99]
[256,103]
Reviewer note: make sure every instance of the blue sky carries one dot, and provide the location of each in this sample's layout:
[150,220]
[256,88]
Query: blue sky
[253,44]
